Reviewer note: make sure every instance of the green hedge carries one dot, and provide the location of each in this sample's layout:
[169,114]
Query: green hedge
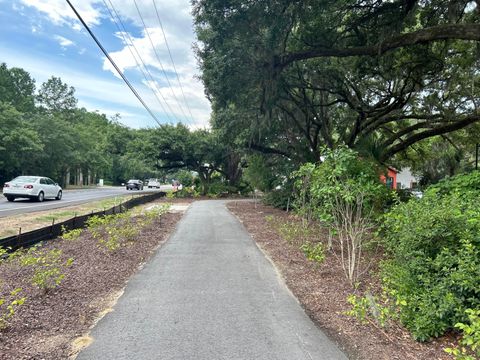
[433,246]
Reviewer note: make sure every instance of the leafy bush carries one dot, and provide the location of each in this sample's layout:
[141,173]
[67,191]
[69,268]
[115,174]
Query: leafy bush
[280,198]
[433,269]
[186,192]
[185,177]
[463,185]
[346,195]
[218,188]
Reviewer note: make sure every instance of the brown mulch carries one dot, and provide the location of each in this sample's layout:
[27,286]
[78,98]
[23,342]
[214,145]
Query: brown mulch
[322,290]
[47,324]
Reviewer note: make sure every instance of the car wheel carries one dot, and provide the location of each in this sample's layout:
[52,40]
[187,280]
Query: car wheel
[10,198]
[41,196]
[59,195]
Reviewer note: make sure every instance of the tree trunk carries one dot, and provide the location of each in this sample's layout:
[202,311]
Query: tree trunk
[66,183]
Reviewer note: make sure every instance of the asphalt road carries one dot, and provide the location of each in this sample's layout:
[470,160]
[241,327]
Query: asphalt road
[208,294]
[70,197]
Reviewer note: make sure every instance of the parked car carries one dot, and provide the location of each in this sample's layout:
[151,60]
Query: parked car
[135,185]
[153,183]
[32,187]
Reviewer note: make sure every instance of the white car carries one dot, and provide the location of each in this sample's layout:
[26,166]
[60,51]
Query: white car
[153,183]
[33,187]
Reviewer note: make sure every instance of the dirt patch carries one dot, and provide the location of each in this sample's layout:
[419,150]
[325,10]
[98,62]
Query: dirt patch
[322,291]
[55,325]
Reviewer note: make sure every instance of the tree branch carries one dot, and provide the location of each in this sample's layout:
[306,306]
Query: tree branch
[267,150]
[434,33]
[452,126]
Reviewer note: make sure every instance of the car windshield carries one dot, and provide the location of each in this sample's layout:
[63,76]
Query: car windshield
[25,179]
[132,181]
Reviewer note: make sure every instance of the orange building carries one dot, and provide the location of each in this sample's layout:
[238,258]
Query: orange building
[391,179]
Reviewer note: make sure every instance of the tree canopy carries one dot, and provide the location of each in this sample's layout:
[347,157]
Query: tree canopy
[377,76]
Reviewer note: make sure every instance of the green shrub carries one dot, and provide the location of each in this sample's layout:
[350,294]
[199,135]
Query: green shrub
[433,246]
[463,185]
[186,192]
[281,198]
[345,194]
[218,188]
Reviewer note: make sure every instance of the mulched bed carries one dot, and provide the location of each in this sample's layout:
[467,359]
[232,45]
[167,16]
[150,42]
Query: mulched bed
[47,324]
[322,291]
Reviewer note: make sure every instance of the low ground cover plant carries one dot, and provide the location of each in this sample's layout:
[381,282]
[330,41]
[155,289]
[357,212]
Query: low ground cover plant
[114,231]
[9,305]
[48,267]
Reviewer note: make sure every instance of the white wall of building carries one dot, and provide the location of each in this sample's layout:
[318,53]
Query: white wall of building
[405,179]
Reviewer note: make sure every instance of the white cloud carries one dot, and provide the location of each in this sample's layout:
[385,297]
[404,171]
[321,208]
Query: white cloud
[63,41]
[60,13]
[177,23]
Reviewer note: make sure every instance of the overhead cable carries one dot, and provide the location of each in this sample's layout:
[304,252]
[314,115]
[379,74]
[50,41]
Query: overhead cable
[171,58]
[113,63]
[144,69]
[158,58]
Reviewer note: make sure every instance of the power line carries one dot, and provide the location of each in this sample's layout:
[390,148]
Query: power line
[171,58]
[158,58]
[143,69]
[113,63]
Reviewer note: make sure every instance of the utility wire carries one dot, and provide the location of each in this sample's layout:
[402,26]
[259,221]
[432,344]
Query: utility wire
[143,69]
[113,63]
[171,58]
[158,58]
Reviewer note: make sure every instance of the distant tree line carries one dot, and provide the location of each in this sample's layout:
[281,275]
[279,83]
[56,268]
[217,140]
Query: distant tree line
[43,132]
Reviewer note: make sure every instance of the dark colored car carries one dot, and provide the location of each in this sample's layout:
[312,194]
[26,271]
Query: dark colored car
[134,185]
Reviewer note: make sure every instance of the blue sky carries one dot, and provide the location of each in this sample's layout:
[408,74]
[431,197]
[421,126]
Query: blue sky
[45,38]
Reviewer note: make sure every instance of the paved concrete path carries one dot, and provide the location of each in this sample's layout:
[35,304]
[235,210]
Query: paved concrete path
[208,294]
